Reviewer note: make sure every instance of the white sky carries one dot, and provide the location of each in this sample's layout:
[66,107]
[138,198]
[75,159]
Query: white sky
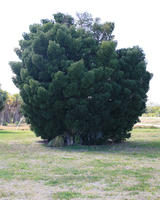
[136,23]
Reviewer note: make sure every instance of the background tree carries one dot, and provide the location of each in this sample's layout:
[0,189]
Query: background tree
[3,97]
[11,112]
[75,83]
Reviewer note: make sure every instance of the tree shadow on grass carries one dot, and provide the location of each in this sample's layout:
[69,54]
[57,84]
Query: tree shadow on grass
[136,148]
[42,142]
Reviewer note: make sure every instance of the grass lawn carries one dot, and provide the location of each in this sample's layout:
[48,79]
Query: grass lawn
[31,171]
[150,120]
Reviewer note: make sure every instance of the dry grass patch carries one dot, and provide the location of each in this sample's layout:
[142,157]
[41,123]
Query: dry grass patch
[26,189]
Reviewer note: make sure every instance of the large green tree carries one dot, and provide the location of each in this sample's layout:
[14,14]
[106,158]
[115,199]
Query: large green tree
[75,83]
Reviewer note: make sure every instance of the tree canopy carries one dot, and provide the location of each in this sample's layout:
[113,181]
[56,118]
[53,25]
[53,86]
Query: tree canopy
[75,83]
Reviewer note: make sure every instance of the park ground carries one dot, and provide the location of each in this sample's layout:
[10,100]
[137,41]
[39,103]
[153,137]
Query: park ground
[29,170]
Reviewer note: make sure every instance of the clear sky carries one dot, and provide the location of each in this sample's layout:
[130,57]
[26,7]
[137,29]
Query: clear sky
[136,23]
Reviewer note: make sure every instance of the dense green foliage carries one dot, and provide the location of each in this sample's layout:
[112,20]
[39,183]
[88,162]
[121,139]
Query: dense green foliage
[3,97]
[75,83]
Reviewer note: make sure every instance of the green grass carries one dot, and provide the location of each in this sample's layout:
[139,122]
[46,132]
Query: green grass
[66,195]
[30,170]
